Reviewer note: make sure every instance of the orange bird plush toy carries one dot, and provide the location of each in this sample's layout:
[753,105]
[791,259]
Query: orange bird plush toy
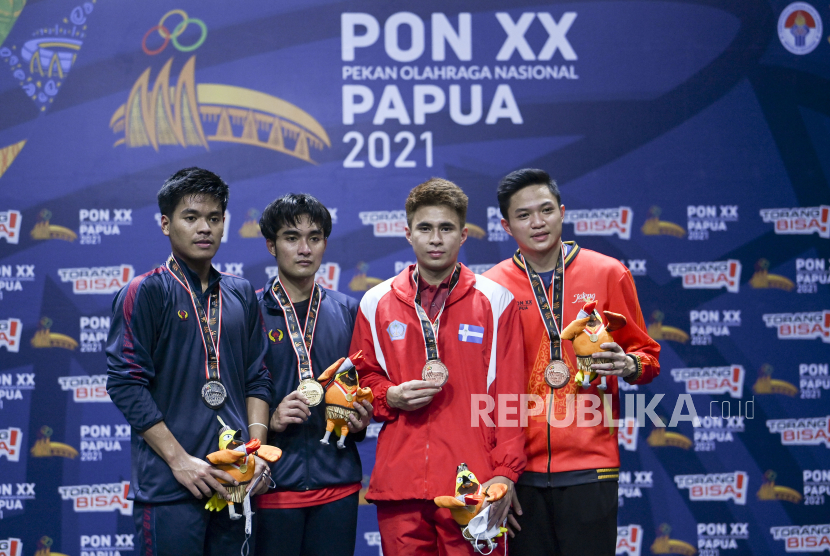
[587,333]
[237,459]
[467,502]
[342,390]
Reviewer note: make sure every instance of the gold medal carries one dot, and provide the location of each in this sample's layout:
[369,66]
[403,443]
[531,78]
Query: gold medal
[435,372]
[557,374]
[312,390]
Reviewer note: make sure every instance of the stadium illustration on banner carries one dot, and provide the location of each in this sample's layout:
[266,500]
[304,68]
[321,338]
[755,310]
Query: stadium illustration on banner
[690,143]
[165,115]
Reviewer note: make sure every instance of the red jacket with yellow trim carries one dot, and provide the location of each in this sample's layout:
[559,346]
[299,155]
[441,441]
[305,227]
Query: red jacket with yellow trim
[588,275]
[480,342]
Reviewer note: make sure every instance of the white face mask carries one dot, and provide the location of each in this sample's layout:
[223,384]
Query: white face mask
[477,529]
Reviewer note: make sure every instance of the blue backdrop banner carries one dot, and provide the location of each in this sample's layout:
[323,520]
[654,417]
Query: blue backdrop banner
[691,140]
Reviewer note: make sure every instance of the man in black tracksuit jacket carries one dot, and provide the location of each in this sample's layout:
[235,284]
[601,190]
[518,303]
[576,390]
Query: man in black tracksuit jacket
[313,509]
[157,367]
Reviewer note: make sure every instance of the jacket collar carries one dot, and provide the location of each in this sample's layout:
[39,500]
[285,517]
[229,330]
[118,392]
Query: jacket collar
[569,258]
[404,286]
[271,303]
[195,282]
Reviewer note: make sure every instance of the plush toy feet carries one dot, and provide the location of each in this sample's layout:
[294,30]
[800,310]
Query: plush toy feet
[340,443]
[216,503]
[325,439]
[602,385]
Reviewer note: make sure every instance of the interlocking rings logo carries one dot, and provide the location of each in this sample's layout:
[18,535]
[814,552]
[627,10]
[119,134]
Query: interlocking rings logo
[177,32]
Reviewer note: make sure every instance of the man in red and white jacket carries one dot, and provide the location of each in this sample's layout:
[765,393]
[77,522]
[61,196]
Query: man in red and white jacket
[428,429]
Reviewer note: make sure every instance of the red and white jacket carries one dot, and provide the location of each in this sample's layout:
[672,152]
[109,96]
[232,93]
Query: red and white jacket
[418,451]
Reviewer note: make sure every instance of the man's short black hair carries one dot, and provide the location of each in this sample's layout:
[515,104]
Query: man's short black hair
[189,182]
[285,211]
[514,181]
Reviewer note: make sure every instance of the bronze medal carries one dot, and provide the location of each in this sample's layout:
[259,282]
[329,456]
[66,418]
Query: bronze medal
[557,374]
[312,390]
[214,394]
[435,372]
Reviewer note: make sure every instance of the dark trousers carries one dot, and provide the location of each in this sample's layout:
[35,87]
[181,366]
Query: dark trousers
[324,530]
[567,521]
[186,529]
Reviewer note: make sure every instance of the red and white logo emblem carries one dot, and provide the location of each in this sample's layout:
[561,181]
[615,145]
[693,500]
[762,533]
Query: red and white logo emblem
[627,436]
[803,538]
[800,326]
[11,547]
[712,380]
[99,279]
[709,275]
[385,223]
[807,431]
[629,540]
[10,332]
[715,486]
[10,221]
[328,276]
[86,388]
[11,440]
[803,221]
[799,28]
[601,222]
[99,498]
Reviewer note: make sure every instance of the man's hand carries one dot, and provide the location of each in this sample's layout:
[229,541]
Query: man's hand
[262,468]
[502,506]
[513,526]
[620,365]
[199,477]
[411,395]
[366,411]
[293,409]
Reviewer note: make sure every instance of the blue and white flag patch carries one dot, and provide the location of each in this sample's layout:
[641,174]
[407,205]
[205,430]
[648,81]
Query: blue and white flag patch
[470,333]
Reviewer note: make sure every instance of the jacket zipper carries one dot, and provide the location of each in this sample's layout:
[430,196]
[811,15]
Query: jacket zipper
[548,427]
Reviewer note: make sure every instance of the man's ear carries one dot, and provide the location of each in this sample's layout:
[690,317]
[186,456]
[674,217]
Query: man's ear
[165,225]
[463,235]
[408,234]
[272,247]
[506,225]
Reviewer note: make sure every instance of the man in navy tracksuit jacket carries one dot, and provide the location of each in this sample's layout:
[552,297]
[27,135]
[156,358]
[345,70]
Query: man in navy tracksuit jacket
[156,357]
[313,509]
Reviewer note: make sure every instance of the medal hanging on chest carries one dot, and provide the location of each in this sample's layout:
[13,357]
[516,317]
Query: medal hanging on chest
[434,370]
[557,374]
[210,327]
[302,340]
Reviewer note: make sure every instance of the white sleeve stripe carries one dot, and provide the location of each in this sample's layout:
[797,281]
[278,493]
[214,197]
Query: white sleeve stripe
[499,297]
[369,308]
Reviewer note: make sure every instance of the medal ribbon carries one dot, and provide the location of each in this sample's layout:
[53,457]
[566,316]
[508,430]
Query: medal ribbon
[543,301]
[430,330]
[211,328]
[301,340]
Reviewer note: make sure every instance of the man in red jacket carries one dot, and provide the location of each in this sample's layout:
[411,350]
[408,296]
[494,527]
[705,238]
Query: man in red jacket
[437,320]
[568,492]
